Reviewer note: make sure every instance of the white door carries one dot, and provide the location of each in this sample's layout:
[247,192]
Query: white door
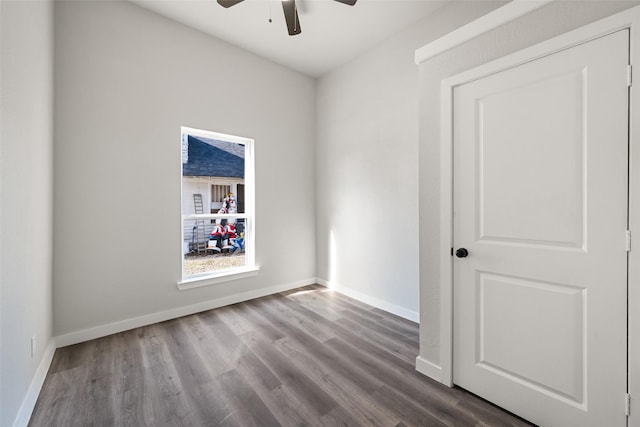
[540,204]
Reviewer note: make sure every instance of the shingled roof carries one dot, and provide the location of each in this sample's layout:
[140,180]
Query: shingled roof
[210,157]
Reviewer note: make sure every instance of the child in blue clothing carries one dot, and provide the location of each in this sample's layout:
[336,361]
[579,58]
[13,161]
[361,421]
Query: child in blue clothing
[238,243]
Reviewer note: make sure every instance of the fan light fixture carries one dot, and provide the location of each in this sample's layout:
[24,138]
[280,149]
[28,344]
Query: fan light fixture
[290,12]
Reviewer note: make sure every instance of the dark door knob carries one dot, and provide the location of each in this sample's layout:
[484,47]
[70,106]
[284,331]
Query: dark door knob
[462,253]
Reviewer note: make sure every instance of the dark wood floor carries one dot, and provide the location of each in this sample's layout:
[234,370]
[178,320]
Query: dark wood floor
[308,357]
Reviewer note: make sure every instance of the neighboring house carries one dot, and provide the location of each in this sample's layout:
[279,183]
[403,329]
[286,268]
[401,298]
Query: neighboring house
[211,168]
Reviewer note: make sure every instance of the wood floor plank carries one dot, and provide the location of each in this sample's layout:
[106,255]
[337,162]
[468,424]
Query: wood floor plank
[208,346]
[230,345]
[377,327]
[356,336]
[306,389]
[94,399]
[245,401]
[411,412]
[309,343]
[399,349]
[307,299]
[339,416]
[58,395]
[302,346]
[383,321]
[400,322]
[324,364]
[200,389]
[340,300]
[266,329]
[236,318]
[281,399]
[349,391]
[491,415]
[286,406]
[257,373]
[128,379]
[71,356]
[320,330]
[163,400]
[408,385]
[307,357]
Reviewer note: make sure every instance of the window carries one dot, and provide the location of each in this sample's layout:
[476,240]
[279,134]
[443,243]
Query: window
[217,207]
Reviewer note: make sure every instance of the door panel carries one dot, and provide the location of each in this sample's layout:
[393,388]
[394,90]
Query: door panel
[559,331]
[540,202]
[542,154]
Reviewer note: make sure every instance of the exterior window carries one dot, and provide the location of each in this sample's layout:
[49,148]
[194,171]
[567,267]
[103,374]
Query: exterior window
[217,205]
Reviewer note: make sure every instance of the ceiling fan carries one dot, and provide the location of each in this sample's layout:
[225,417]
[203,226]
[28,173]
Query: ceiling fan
[290,12]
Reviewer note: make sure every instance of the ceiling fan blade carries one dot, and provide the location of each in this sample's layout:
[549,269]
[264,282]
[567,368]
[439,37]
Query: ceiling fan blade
[349,2]
[228,3]
[291,16]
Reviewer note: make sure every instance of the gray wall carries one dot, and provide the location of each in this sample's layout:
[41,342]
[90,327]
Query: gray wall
[367,166]
[26,206]
[542,24]
[126,79]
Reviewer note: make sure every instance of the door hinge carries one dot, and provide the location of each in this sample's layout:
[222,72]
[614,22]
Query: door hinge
[627,404]
[629,75]
[628,241]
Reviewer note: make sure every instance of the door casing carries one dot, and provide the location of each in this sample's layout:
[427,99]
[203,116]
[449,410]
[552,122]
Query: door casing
[627,19]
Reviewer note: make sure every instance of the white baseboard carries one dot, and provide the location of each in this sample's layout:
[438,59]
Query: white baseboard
[29,401]
[414,316]
[148,319]
[429,369]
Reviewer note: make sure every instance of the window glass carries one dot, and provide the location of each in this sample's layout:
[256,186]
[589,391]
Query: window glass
[217,219]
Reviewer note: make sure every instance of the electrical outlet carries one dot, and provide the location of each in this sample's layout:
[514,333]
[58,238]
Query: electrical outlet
[33,345]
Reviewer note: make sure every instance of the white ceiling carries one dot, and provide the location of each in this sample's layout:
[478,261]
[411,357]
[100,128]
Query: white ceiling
[332,33]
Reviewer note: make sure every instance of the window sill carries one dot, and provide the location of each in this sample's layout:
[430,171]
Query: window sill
[220,277]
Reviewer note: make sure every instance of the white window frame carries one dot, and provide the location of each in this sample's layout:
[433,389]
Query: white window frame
[249,269]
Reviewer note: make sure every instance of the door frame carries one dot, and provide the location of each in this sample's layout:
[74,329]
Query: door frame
[628,19]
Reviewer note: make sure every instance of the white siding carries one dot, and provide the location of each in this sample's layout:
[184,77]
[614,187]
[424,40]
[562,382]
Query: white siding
[201,185]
